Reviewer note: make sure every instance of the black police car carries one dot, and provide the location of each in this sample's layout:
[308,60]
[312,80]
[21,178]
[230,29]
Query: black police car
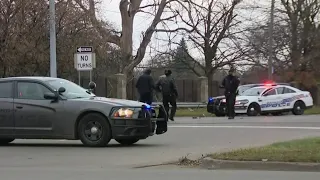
[217,105]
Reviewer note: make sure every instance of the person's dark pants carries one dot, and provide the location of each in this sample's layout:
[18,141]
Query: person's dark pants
[166,99]
[231,100]
[146,98]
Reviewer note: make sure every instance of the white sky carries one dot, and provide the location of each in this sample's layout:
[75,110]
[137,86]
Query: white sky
[109,10]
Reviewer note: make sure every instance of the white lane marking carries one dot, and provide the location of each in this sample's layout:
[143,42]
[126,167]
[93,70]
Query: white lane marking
[249,127]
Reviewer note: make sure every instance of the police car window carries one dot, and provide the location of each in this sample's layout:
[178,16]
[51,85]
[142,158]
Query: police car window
[253,91]
[6,90]
[287,91]
[30,90]
[269,93]
[280,90]
[242,89]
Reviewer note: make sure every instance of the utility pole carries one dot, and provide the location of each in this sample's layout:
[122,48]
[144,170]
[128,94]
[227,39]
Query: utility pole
[270,64]
[53,53]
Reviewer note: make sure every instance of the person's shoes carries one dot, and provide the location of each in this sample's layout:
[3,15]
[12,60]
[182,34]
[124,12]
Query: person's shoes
[171,118]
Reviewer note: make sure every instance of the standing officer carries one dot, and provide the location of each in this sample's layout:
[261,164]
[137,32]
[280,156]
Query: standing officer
[230,83]
[145,86]
[167,87]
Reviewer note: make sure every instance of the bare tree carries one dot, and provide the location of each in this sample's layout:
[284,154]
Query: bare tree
[211,25]
[24,38]
[128,10]
[302,16]
[296,37]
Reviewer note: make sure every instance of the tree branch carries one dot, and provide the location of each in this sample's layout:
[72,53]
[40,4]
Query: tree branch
[105,33]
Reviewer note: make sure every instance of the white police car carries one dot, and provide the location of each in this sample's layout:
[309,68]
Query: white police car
[274,99]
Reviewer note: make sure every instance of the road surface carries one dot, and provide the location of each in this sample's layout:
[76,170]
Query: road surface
[45,159]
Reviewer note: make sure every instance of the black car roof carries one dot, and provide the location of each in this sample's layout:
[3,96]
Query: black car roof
[40,78]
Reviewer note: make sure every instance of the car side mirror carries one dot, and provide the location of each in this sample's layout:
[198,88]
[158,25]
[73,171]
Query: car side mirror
[50,95]
[61,90]
[92,85]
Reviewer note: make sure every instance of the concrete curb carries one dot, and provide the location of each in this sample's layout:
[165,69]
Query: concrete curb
[209,163]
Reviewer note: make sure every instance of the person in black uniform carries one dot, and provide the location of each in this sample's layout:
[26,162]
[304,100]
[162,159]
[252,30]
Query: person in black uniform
[230,83]
[167,87]
[145,86]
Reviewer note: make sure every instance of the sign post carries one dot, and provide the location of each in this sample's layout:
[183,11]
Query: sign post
[84,60]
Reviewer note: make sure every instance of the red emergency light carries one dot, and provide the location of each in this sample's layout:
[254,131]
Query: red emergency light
[269,83]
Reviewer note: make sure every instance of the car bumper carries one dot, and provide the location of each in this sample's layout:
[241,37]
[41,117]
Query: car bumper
[216,108]
[147,124]
[240,109]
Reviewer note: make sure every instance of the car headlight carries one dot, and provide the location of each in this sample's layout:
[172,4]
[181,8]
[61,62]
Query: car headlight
[245,101]
[123,112]
[223,100]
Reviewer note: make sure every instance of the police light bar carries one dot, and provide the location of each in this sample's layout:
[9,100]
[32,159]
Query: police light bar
[270,83]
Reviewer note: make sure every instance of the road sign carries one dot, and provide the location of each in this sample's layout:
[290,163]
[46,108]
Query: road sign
[84,60]
[84,49]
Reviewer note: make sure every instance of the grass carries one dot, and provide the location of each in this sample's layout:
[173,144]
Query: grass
[193,112]
[200,112]
[302,150]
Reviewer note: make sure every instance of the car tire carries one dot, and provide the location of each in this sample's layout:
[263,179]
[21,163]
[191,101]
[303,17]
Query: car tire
[253,109]
[298,108]
[127,142]
[94,130]
[6,141]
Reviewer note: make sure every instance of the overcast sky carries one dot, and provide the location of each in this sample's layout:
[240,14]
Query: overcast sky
[109,10]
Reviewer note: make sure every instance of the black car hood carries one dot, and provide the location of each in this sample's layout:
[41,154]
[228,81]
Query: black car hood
[219,97]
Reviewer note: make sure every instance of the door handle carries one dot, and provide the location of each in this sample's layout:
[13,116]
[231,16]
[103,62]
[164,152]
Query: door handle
[259,100]
[19,107]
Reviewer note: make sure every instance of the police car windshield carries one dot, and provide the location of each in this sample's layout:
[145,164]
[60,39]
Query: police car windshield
[253,91]
[242,89]
[73,91]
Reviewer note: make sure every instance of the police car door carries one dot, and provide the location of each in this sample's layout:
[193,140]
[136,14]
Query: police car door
[284,98]
[269,100]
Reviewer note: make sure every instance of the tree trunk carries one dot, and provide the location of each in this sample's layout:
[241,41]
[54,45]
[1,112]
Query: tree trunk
[210,84]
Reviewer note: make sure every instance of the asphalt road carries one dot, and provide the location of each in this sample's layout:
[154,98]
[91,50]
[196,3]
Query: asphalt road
[51,159]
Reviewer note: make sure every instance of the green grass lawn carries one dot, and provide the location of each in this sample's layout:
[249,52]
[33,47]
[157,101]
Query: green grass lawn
[200,112]
[193,112]
[303,150]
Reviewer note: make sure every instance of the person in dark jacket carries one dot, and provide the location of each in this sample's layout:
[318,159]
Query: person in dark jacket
[230,83]
[145,86]
[168,89]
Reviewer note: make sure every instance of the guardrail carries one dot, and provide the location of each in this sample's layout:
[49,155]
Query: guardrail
[186,104]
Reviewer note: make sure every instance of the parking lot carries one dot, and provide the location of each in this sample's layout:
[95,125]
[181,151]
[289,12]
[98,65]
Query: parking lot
[186,136]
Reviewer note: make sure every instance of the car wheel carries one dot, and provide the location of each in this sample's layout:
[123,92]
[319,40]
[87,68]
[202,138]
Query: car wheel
[94,130]
[6,141]
[298,108]
[127,142]
[253,110]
